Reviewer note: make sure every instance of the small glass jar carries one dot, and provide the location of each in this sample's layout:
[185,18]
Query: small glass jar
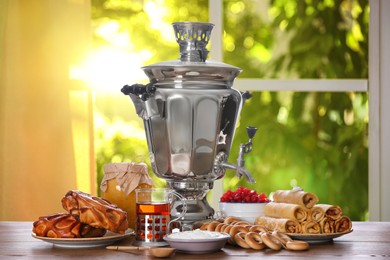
[119,184]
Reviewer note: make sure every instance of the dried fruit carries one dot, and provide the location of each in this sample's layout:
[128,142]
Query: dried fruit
[245,195]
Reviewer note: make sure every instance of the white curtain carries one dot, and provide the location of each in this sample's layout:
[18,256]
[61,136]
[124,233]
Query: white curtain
[46,141]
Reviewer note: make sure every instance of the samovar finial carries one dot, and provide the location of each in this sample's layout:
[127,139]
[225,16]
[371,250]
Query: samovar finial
[193,38]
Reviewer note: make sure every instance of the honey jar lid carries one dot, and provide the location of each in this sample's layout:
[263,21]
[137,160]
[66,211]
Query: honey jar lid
[128,175]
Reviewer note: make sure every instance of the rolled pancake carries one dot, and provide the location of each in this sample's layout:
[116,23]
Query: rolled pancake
[279,224]
[286,210]
[327,225]
[316,213]
[310,227]
[343,224]
[331,211]
[296,196]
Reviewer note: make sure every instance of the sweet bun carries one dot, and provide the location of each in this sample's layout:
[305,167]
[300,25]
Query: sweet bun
[95,211]
[65,225]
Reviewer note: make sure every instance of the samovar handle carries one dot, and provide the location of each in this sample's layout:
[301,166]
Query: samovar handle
[143,100]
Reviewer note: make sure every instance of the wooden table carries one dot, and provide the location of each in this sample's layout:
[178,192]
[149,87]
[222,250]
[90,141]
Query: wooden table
[368,239]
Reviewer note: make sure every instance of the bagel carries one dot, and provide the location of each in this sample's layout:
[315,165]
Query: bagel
[235,229]
[258,229]
[283,238]
[220,227]
[204,226]
[254,240]
[230,219]
[226,229]
[271,241]
[240,239]
[242,223]
[297,245]
[212,225]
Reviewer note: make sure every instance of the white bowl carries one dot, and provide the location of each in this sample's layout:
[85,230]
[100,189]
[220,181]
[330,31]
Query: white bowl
[245,211]
[197,241]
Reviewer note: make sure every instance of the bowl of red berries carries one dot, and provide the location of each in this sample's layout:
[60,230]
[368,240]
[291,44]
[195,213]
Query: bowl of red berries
[243,203]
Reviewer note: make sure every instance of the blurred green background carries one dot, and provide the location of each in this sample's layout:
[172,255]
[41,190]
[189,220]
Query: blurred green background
[315,140]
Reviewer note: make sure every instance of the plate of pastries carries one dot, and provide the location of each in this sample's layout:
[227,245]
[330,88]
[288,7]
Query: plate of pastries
[88,221]
[300,215]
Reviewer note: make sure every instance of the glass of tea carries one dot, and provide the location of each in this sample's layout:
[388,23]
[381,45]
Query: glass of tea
[153,210]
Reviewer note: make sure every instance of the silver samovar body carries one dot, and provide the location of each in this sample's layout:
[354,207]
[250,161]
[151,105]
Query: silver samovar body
[190,110]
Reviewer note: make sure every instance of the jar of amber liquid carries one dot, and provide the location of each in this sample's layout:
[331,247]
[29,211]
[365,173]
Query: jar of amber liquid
[119,184]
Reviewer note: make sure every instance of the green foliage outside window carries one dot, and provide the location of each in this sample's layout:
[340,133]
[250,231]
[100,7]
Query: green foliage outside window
[315,140]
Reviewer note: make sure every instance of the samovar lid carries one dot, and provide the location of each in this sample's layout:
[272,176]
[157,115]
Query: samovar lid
[192,38]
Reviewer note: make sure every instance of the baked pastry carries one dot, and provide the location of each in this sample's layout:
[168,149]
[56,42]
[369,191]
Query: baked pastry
[310,227]
[95,211]
[316,213]
[284,225]
[327,225]
[64,225]
[343,224]
[286,210]
[331,211]
[296,196]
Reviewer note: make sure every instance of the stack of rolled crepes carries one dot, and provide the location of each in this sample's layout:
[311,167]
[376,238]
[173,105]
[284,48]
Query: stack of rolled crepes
[297,211]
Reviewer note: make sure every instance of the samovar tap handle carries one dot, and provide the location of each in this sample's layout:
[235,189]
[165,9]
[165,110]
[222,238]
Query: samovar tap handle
[245,148]
[243,171]
[222,163]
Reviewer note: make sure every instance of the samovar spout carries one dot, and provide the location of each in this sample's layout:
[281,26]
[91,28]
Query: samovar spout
[240,171]
[240,166]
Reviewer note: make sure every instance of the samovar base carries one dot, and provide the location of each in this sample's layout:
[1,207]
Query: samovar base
[198,208]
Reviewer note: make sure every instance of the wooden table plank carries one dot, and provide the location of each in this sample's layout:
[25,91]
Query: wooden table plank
[368,239]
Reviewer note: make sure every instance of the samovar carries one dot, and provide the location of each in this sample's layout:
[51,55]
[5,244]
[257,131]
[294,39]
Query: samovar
[190,110]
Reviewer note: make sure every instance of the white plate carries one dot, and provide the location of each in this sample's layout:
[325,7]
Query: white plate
[316,238]
[198,246]
[108,239]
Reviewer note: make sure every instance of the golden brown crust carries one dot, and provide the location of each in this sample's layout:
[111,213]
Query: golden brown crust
[95,211]
[286,210]
[253,236]
[253,239]
[230,219]
[331,211]
[343,224]
[279,224]
[271,241]
[64,225]
[239,239]
[316,213]
[296,196]
[311,227]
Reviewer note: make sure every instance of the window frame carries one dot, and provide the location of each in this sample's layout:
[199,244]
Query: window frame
[375,86]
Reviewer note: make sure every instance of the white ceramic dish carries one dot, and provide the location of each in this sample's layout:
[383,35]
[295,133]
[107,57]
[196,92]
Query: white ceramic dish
[200,245]
[318,238]
[108,239]
[245,211]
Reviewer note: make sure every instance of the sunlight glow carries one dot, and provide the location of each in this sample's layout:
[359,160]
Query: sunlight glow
[156,12]
[108,67]
[111,33]
[118,126]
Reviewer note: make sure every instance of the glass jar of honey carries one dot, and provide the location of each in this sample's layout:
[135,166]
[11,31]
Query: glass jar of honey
[119,184]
